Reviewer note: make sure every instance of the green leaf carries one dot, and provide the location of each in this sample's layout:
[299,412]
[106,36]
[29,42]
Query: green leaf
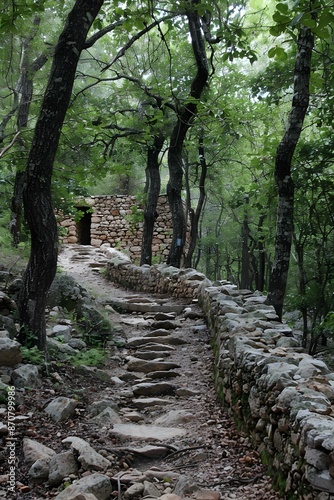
[276,30]
[281,18]
[272,52]
[296,20]
[283,8]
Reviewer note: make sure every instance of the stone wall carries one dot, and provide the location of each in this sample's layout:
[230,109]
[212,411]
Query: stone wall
[117,220]
[282,396]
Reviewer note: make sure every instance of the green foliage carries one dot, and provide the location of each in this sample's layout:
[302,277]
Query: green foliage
[33,355]
[114,115]
[135,218]
[90,357]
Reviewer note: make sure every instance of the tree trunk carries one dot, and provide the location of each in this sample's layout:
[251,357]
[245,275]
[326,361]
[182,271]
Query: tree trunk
[195,215]
[245,261]
[153,191]
[299,247]
[260,280]
[24,87]
[37,201]
[284,154]
[185,119]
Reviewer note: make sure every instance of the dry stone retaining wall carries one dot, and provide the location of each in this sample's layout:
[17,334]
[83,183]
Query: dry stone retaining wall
[280,394]
[117,220]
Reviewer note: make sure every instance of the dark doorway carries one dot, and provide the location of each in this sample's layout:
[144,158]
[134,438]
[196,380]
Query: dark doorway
[83,226]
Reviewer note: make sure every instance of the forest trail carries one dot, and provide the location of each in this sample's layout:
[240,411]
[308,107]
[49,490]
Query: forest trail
[170,435]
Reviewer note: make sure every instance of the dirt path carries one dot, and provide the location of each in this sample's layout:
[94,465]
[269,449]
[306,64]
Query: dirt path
[171,429]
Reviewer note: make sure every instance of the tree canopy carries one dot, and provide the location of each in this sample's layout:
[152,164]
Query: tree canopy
[198,99]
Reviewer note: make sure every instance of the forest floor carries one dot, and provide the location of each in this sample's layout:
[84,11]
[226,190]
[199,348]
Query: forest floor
[206,449]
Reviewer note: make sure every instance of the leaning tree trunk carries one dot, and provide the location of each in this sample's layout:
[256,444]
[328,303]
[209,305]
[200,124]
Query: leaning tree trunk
[185,119]
[284,154]
[153,191]
[37,201]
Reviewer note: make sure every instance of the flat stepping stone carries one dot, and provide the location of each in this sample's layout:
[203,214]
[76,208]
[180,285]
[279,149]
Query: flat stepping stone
[161,332]
[149,307]
[166,324]
[142,365]
[175,417]
[146,432]
[149,355]
[140,341]
[145,403]
[135,321]
[150,451]
[156,347]
[163,374]
[163,316]
[153,389]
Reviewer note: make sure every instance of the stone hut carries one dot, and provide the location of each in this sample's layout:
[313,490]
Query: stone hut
[118,221]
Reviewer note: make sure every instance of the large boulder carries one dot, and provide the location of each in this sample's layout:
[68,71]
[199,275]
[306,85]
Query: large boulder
[8,324]
[26,376]
[65,292]
[10,353]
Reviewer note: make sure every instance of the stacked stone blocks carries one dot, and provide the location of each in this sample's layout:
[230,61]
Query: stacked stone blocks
[118,221]
[281,395]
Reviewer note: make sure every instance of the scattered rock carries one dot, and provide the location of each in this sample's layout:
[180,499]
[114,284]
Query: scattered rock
[61,408]
[150,490]
[88,457]
[77,344]
[134,490]
[96,484]
[33,451]
[185,486]
[39,471]
[61,331]
[170,496]
[98,406]
[61,466]
[207,495]
[107,417]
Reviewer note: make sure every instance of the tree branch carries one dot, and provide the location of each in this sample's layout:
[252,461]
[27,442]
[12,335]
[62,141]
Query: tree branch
[136,37]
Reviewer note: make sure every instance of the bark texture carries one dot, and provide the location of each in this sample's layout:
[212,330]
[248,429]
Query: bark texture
[285,185]
[194,215]
[153,191]
[37,201]
[186,117]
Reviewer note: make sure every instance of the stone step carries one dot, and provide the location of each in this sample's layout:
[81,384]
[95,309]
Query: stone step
[147,403]
[146,432]
[142,365]
[154,389]
[126,306]
[141,341]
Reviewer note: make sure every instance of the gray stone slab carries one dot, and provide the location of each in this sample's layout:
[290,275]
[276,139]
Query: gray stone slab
[146,432]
